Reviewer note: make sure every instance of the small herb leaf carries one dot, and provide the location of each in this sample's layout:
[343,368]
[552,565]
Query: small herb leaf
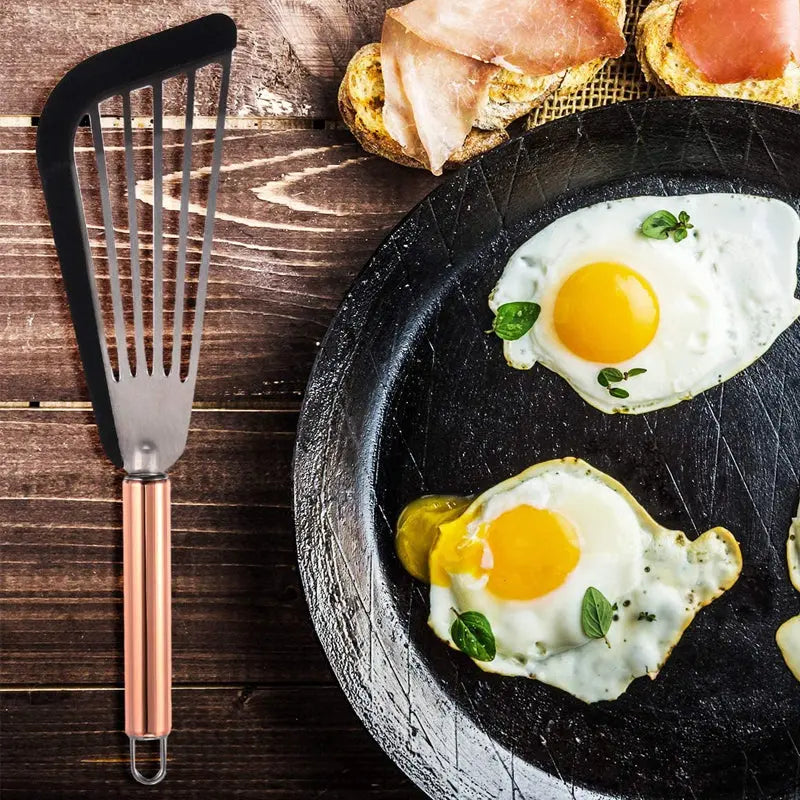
[472,634]
[662,224]
[658,225]
[609,375]
[596,614]
[514,320]
[646,615]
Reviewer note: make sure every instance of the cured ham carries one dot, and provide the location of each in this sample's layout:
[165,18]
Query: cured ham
[736,40]
[537,37]
[398,115]
[439,57]
[432,95]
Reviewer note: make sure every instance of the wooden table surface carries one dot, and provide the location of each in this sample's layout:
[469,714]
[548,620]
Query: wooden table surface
[257,712]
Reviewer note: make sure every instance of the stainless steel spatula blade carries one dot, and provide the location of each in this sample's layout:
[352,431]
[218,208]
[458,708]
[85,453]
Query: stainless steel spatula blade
[142,407]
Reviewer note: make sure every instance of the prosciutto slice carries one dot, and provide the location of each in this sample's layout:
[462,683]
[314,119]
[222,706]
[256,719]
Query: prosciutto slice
[432,95]
[439,57]
[398,115]
[736,40]
[537,37]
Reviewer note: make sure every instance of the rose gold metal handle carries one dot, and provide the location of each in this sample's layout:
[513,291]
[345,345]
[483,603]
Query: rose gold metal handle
[148,615]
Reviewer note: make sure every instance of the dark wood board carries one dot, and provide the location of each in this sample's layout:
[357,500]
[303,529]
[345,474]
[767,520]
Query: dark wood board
[239,614]
[298,214]
[410,397]
[290,58]
[277,743]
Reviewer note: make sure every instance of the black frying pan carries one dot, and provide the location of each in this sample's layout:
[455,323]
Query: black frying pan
[409,396]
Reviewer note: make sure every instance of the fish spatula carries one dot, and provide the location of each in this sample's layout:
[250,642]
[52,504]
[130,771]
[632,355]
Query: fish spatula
[142,407]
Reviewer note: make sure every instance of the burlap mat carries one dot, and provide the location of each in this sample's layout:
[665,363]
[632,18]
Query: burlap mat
[619,80]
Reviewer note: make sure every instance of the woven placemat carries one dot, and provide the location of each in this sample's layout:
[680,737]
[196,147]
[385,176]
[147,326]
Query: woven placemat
[620,79]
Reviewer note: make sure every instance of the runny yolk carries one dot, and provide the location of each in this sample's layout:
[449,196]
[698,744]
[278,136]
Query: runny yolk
[418,527]
[605,312]
[526,552]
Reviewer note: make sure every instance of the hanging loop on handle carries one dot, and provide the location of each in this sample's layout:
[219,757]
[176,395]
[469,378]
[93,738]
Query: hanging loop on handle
[147,608]
[162,760]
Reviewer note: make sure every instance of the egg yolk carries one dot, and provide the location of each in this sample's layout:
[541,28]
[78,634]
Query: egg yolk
[526,552]
[605,312]
[418,527]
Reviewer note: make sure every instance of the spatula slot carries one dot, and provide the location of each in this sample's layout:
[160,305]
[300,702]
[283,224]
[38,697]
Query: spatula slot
[145,192]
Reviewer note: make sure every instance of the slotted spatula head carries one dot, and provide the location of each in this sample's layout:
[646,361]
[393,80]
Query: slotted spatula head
[142,409]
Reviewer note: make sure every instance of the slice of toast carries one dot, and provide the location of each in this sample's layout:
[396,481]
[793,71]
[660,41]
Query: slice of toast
[361,106]
[666,64]
[511,95]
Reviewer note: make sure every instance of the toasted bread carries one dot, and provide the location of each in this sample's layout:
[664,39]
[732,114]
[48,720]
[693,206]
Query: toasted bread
[511,95]
[666,64]
[361,106]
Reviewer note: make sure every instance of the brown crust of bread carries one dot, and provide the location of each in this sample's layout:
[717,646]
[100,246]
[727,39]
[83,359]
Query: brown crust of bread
[665,63]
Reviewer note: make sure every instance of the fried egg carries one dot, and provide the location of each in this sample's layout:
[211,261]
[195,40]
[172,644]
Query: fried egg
[793,551]
[788,635]
[525,552]
[788,639]
[691,313]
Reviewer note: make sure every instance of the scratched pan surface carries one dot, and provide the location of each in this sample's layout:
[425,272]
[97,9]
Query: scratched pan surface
[409,396]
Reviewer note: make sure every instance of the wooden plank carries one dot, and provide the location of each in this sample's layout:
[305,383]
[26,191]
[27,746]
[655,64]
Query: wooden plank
[290,58]
[299,212]
[279,743]
[239,613]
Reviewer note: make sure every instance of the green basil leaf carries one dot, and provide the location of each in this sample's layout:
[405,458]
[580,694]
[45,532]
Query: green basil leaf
[596,614]
[683,217]
[472,634]
[632,373]
[679,234]
[609,375]
[514,320]
[659,224]
[615,391]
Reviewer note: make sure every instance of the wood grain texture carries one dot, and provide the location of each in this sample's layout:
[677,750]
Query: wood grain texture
[278,743]
[290,57]
[298,214]
[239,614]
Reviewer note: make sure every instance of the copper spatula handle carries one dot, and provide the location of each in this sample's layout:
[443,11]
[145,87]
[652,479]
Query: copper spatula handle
[148,616]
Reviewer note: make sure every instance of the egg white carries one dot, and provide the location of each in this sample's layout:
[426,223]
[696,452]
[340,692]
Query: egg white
[793,551]
[725,293]
[639,565]
[788,639]
[788,635]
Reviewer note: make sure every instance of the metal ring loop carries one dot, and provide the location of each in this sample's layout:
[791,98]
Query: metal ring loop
[162,759]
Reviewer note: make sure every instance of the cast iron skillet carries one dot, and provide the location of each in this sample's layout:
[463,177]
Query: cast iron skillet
[409,396]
